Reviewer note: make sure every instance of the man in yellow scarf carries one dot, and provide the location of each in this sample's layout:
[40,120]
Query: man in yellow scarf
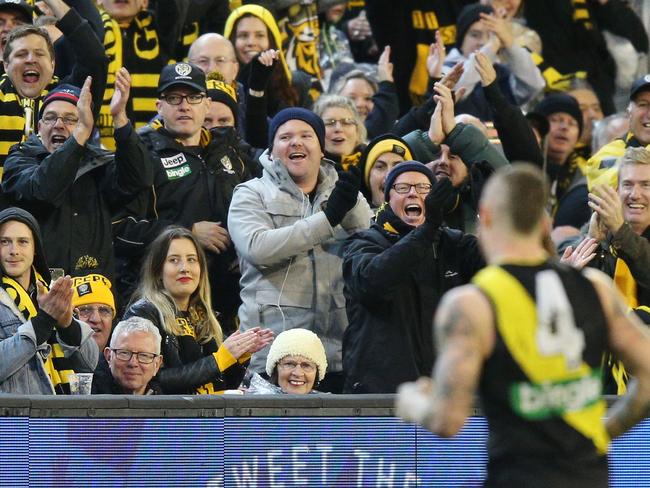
[620,223]
[40,342]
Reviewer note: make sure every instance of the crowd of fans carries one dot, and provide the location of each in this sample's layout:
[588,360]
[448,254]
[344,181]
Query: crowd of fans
[208,176]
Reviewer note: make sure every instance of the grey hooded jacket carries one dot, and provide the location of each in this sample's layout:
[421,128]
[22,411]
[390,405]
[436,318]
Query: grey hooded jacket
[290,257]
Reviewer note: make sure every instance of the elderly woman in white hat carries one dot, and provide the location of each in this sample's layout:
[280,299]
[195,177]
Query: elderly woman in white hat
[296,361]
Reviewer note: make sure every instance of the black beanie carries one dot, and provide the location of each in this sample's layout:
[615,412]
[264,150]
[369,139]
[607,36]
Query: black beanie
[466,17]
[298,113]
[405,167]
[560,102]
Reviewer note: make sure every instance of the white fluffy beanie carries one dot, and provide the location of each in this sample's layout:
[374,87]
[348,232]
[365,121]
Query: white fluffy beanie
[297,342]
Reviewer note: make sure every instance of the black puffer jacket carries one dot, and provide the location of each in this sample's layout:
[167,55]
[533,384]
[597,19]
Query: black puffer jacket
[73,193]
[187,365]
[190,184]
[393,283]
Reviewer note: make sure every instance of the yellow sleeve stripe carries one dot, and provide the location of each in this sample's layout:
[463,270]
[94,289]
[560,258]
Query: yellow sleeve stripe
[223,358]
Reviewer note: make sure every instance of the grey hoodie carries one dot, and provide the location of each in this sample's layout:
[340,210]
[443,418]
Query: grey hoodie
[290,257]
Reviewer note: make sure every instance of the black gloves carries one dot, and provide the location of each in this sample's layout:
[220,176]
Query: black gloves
[435,204]
[344,196]
[259,75]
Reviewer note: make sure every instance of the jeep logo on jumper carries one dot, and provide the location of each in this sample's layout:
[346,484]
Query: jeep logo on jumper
[173,161]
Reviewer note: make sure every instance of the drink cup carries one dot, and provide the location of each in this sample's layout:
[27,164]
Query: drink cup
[80,383]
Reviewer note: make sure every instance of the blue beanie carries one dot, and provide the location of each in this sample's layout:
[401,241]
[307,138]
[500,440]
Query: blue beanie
[405,167]
[67,93]
[297,113]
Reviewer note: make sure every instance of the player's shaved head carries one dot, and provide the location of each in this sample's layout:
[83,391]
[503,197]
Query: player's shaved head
[517,196]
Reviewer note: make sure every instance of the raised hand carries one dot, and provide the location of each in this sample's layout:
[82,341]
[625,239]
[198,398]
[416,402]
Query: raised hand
[120,97]
[484,68]
[384,66]
[604,200]
[344,195]
[436,57]
[582,254]
[57,302]
[84,127]
[444,97]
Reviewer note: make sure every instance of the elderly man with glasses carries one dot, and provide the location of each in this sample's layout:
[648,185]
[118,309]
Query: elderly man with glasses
[133,360]
[72,186]
[395,274]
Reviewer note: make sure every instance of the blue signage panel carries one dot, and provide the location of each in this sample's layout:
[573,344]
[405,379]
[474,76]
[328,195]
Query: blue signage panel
[259,452]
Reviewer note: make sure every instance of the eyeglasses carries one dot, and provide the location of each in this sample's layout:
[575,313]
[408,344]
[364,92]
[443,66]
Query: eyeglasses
[291,365]
[192,98]
[142,357]
[347,122]
[51,118]
[88,310]
[422,188]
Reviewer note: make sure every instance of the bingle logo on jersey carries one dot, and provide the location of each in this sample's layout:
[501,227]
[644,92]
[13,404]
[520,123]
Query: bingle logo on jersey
[173,161]
[174,174]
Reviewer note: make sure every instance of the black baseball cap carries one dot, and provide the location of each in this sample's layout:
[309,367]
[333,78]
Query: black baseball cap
[184,74]
[640,85]
[20,6]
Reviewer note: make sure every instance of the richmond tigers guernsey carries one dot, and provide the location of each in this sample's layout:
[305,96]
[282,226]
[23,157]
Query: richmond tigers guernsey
[541,387]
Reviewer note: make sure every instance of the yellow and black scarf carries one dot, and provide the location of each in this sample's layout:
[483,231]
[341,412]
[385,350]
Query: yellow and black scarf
[57,366]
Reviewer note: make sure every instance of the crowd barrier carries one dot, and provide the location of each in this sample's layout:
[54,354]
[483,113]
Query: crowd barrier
[249,441]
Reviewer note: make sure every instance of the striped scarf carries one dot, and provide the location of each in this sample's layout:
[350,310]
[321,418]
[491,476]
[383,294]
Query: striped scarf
[57,366]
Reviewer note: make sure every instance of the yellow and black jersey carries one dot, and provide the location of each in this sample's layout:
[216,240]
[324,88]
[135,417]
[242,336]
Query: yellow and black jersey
[138,48]
[541,388]
[19,115]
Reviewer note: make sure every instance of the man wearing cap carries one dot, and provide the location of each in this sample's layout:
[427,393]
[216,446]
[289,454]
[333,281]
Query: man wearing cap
[195,172]
[40,341]
[73,187]
[395,274]
[378,158]
[288,227]
[94,303]
[12,14]
[601,167]
[29,63]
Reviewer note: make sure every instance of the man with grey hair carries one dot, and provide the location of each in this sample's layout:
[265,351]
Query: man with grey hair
[620,223]
[132,360]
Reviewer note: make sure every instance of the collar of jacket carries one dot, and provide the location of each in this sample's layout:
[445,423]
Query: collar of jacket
[164,139]
[277,172]
[94,156]
[390,224]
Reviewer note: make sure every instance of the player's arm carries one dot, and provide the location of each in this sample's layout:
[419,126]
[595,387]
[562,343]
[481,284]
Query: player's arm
[630,342]
[464,338]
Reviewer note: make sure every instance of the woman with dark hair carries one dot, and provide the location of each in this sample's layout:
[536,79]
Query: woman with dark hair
[174,293]
[252,29]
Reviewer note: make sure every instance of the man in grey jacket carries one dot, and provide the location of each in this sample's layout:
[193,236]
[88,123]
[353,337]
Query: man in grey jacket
[288,228]
[40,341]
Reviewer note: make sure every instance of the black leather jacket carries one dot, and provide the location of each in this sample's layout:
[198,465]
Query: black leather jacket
[178,375]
